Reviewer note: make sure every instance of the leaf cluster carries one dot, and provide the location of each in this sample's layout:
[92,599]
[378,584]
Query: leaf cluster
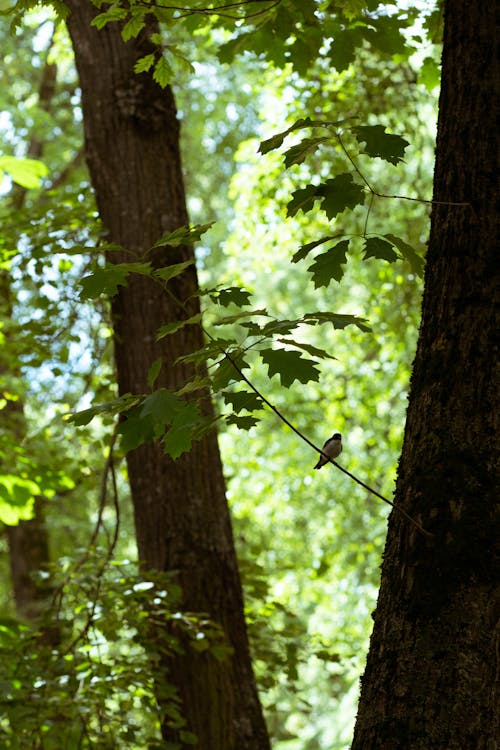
[99,687]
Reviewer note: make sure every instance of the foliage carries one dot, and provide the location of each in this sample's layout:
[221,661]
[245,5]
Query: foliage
[98,689]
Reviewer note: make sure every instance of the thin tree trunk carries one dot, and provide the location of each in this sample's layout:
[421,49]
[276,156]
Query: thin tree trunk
[181,514]
[433,666]
[28,541]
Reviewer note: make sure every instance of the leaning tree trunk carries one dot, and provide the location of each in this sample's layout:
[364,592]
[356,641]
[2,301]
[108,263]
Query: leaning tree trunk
[181,514]
[433,665]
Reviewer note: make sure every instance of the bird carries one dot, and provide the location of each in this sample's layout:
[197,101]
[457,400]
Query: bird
[332,448]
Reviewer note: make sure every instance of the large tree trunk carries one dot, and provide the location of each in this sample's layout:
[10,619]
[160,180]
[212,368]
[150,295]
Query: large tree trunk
[181,514]
[433,665]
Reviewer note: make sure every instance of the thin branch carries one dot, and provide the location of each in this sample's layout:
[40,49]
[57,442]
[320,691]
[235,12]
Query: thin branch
[315,447]
[296,430]
[396,197]
[218,10]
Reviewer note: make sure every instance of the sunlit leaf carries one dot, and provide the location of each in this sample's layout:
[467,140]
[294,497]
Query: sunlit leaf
[134,25]
[25,172]
[163,73]
[144,63]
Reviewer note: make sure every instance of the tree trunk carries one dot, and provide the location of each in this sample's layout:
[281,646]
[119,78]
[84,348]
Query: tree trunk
[28,541]
[433,664]
[181,514]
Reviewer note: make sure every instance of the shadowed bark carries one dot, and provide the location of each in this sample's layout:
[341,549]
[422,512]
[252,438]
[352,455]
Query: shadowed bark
[432,669]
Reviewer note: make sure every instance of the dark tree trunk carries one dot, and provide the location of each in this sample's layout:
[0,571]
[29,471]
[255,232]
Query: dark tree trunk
[433,666]
[181,514]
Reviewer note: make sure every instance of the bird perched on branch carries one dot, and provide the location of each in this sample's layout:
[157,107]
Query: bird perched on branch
[332,448]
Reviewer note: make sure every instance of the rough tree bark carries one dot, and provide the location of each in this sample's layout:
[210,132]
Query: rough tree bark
[433,664]
[181,514]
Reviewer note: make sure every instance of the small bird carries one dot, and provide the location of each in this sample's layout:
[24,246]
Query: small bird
[332,448]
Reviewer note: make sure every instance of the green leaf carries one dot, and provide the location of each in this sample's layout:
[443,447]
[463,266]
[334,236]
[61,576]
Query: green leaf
[240,400]
[339,193]
[328,266]
[243,423]
[304,250]
[136,431]
[289,366]
[298,153]
[134,25]
[375,247]
[409,253]
[225,372]
[116,406]
[115,13]
[169,272]
[25,172]
[237,317]
[180,436]
[233,295]
[107,280]
[143,64]
[186,235]
[338,320]
[161,406]
[309,348]
[274,326]
[154,371]
[302,200]
[275,141]
[336,194]
[17,491]
[381,144]
[163,73]
[195,384]
[213,349]
[170,328]
[429,74]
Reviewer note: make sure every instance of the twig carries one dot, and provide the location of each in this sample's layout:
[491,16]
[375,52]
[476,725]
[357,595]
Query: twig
[296,430]
[315,447]
[396,197]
